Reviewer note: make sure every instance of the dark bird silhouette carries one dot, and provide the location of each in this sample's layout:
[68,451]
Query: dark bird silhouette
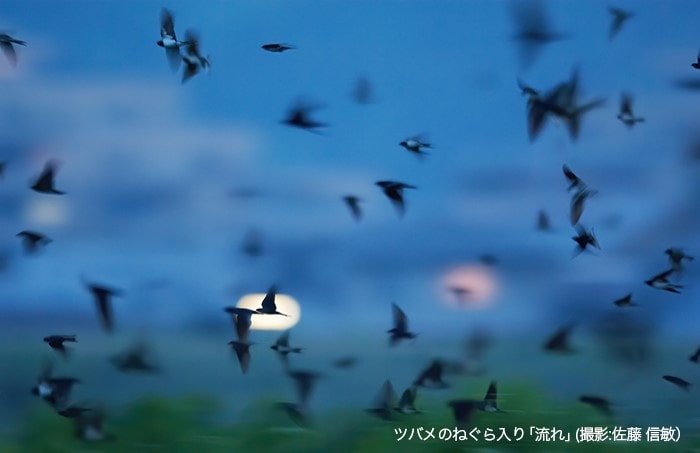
[54,390]
[277,48]
[626,301]
[583,239]
[345,362]
[55,342]
[407,401]
[490,403]
[299,116]
[696,65]
[384,402]
[461,293]
[136,358]
[194,61]
[416,145]
[304,382]
[353,203]
[527,90]
[73,411]
[676,257]
[32,241]
[88,426]
[431,377]
[103,298]
[533,29]
[268,304]
[252,243]
[168,39]
[695,357]
[560,341]
[298,414]
[362,92]
[462,411]
[242,351]
[543,222]
[400,329]
[394,191]
[619,17]
[45,182]
[600,404]
[7,44]
[578,203]
[282,347]
[660,281]
[626,114]
[242,319]
[574,181]
[681,383]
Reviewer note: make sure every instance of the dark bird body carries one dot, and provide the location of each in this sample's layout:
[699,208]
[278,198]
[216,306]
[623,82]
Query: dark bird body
[533,29]
[681,383]
[600,404]
[168,39]
[56,342]
[7,44]
[268,304]
[407,401]
[400,329]
[300,116]
[626,301]
[277,48]
[103,299]
[462,411]
[626,114]
[431,377]
[384,402]
[662,282]
[676,257]
[282,347]
[394,191]
[543,222]
[194,61]
[583,239]
[619,17]
[559,341]
[695,357]
[135,359]
[242,319]
[696,65]
[353,203]
[45,182]
[54,390]
[32,241]
[416,145]
[242,351]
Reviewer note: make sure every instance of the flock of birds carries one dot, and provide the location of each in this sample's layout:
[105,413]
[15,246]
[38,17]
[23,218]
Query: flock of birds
[561,102]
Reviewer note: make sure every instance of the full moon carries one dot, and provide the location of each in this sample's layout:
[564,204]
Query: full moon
[469,286]
[285,304]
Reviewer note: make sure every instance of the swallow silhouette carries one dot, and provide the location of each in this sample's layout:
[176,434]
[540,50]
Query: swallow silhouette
[242,350]
[103,299]
[695,357]
[394,191]
[681,383]
[268,303]
[54,390]
[431,377]
[384,402]
[559,342]
[168,39]
[55,342]
[73,411]
[462,410]
[88,426]
[600,404]
[543,222]
[135,359]
[533,29]
[578,203]
[298,414]
[353,203]
[583,239]
[676,257]
[400,329]
[626,301]
[32,241]
[282,347]
[362,92]
[305,382]
[194,61]
[619,17]
[416,145]
[626,114]
[3,165]
[490,403]
[696,65]
[660,281]
[45,182]
[299,116]
[277,48]
[527,90]
[7,44]
[242,319]
[407,401]
[574,181]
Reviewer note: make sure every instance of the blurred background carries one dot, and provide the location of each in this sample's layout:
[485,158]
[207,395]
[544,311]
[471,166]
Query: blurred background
[188,196]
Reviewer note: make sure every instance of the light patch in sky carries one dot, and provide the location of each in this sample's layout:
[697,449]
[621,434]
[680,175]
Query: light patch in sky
[45,212]
[285,304]
[470,286]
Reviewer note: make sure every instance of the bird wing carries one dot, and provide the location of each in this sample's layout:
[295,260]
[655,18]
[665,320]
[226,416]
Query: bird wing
[491,394]
[400,319]
[105,310]
[268,303]
[9,51]
[626,105]
[167,24]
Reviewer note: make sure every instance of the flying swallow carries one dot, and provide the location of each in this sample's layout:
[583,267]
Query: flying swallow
[305,382]
[584,238]
[559,341]
[56,342]
[353,203]
[54,390]
[490,403]
[527,90]
[268,303]
[103,298]
[462,410]
[626,114]
[363,91]
[73,411]
[574,181]
[45,182]
[682,383]
[578,203]
[695,357]
[619,17]
[533,29]
[168,39]
[252,243]
[400,329]
[135,359]
[282,347]
[626,301]
[299,116]
[407,401]
[676,257]
[194,61]
[696,65]
[298,414]
[384,402]
[543,222]
[661,282]
[416,145]
[88,426]
[345,362]
[242,351]
[394,191]
[2,168]
[242,319]
[7,44]
[602,405]
[32,241]
[277,48]
[431,377]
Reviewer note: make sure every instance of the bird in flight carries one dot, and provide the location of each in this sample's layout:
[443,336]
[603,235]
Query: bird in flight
[103,299]
[400,329]
[625,301]
[32,241]
[268,303]
[168,39]
[601,404]
[384,402]
[277,47]
[136,358]
[619,17]
[394,191]
[242,320]
[696,65]
[300,116]
[194,61]
[626,114]
[242,350]
[55,342]
[676,257]
[681,383]
[45,182]
[533,29]
[431,377]
[353,203]
[584,238]
[416,145]
[661,281]
[559,342]
[7,44]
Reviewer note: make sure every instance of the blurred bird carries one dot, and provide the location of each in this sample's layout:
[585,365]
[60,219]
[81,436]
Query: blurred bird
[305,382]
[7,44]
[103,298]
[168,39]
[298,414]
[696,356]
[282,347]
[696,65]
[394,191]
[353,203]
[462,411]
[54,390]
[400,329]
[55,342]
[527,90]
[88,426]
[676,257]
[416,145]
[661,282]
[578,203]
[626,114]
[543,222]
[619,17]
[600,404]
[583,239]
[2,168]
[533,29]
[32,241]
[73,411]
[242,350]
[45,182]
[407,401]
[490,403]
[574,181]
[277,48]
[299,116]
[363,91]
[268,303]
[384,402]
[461,293]
[252,243]
[194,61]
[135,359]
[681,383]
[431,377]
[560,341]
[345,362]
[626,301]
[242,319]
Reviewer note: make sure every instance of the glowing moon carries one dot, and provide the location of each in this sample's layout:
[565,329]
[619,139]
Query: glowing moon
[285,304]
[470,286]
